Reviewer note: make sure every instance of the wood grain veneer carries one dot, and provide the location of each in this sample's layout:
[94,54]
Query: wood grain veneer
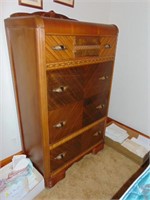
[62,71]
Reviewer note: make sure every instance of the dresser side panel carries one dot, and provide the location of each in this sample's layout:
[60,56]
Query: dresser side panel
[24,60]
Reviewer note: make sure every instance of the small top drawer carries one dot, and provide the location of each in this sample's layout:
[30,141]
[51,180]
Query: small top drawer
[86,46]
[59,48]
[107,46]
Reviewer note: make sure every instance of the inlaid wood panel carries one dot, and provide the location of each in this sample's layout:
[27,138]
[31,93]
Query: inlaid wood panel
[108,46]
[95,108]
[92,136]
[86,46]
[64,121]
[64,86]
[64,153]
[78,62]
[87,40]
[59,48]
[97,79]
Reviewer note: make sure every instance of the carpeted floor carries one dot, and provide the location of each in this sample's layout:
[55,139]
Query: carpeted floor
[95,177]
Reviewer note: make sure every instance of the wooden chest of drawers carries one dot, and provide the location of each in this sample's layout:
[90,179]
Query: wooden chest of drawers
[62,71]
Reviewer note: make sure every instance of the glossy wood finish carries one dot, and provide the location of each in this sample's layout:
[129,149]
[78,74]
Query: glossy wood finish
[62,71]
[95,108]
[59,48]
[69,150]
[98,79]
[65,153]
[86,46]
[25,70]
[108,46]
[93,136]
[65,121]
[64,87]
[75,134]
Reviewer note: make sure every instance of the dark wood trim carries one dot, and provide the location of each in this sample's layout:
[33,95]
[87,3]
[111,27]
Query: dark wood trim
[8,159]
[110,120]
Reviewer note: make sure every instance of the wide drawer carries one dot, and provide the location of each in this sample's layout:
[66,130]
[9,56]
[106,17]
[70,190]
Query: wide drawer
[107,46]
[95,108]
[65,153]
[74,147]
[92,136]
[64,86]
[98,79]
[59,48]
[64,121]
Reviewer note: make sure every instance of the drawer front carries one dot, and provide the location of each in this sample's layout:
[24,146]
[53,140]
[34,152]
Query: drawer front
[86,46]
[107,46]
[65,121]
[94,108]
[64,86]
[98,79]
[59,48]
[92,136]
[86,40]
[65,153]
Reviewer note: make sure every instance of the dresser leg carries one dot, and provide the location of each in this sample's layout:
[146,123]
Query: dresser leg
[54,179]
[96,149]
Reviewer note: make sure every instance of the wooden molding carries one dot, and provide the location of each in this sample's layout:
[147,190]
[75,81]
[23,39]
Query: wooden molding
[8,159]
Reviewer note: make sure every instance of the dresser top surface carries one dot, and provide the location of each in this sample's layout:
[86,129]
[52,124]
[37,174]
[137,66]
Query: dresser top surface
[59,25]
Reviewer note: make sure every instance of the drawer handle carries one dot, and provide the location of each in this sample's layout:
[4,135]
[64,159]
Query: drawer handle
[60,156]
[102,78]
[60,89]
[107,46]
[60,124]
[59,48]
[101,106]
[98,133]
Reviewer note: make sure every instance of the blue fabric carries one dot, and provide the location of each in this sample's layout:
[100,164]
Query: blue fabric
[140,189]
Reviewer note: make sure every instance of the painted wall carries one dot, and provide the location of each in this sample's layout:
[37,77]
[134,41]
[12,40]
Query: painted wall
[129,99]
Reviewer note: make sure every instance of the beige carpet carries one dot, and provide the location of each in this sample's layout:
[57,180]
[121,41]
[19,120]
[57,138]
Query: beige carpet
[95,177]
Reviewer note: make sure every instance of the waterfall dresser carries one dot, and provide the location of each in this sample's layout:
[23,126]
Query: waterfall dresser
[62,72]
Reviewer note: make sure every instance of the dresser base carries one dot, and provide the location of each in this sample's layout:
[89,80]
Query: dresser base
[61,174]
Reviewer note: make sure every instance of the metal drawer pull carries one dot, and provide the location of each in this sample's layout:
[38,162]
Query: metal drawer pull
[60,124]
[59,48]
[60,156]
[103,78]
[97,133]
[101,106]
[107,46]
[60,89]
